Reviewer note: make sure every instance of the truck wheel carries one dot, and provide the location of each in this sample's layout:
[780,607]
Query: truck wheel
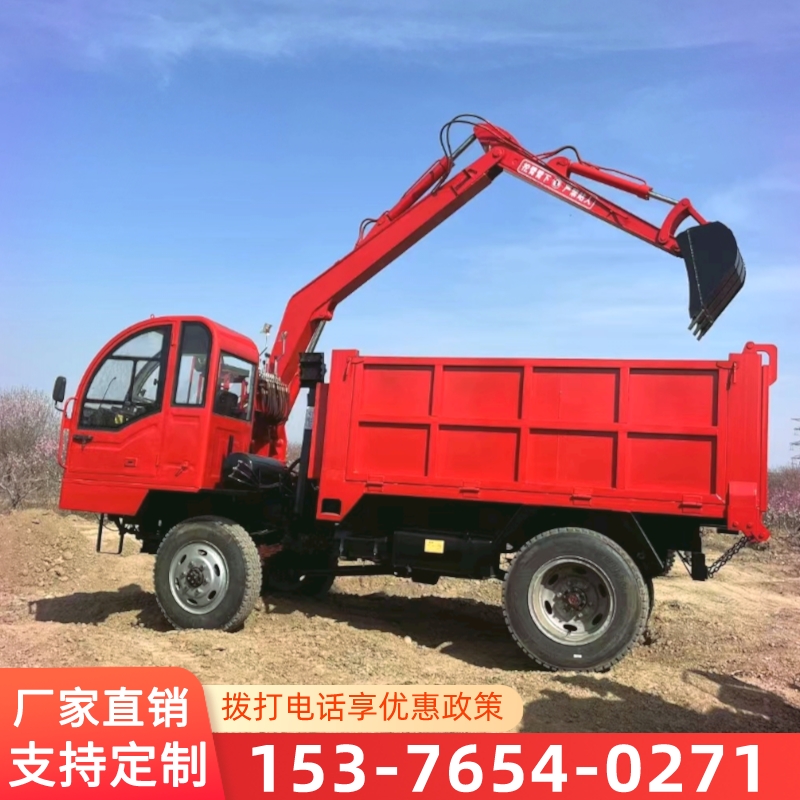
[281,575]
[574,599]
[207,574]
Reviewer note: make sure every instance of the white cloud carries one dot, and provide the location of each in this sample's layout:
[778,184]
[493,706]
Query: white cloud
[779,280]
[99,30]
[747,203]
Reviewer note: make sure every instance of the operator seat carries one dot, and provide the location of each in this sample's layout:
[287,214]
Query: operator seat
[226,403]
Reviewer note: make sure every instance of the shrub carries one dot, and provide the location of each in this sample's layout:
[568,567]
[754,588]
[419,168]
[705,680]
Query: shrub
[784,498]
[29,429]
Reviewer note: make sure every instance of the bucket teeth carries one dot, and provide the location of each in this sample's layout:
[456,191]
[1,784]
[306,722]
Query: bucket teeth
[716,272]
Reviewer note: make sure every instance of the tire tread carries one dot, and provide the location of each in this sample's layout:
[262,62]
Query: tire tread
[641,585]
[242,539]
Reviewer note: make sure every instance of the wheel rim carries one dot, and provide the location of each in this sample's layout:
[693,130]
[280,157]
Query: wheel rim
[198,577]
[571,600]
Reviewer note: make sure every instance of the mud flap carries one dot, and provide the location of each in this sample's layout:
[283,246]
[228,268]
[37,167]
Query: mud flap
[715,269]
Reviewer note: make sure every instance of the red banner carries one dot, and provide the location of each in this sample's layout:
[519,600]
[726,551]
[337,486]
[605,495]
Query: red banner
[106,731]
[124,732]
[519,765]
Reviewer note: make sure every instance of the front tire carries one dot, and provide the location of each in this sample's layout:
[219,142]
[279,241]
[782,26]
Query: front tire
[575,600]
[207,574]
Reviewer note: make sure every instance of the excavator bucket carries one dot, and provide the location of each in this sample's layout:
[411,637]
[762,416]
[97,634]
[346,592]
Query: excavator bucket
[715,269]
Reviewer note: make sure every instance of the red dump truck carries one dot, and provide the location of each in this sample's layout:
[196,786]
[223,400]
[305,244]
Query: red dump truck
[574,482]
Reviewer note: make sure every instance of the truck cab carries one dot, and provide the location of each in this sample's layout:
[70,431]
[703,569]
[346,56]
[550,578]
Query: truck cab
[159,408]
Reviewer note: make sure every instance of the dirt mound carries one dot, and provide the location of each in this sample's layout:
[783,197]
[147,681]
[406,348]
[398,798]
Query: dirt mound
[39,549]
[719,656]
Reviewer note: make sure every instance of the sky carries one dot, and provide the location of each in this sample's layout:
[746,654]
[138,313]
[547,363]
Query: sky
[209,157]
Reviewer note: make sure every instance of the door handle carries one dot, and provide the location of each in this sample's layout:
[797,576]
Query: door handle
[82,438]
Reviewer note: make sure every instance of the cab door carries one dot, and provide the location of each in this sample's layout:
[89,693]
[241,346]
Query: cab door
[116,434]
[185,434]
[231,426]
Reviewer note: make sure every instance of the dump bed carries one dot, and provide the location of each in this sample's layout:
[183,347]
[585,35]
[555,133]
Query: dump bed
[674,437]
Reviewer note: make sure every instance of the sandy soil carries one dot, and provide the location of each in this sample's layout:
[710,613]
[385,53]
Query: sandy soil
[719,656]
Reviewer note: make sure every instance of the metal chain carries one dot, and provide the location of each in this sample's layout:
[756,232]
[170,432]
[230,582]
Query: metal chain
[727,556]
[722,560]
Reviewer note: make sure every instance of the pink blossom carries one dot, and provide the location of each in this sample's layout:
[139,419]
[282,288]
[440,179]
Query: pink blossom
[784,498]
[29,427]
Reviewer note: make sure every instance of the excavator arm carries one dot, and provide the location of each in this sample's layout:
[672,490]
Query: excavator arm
[714,266]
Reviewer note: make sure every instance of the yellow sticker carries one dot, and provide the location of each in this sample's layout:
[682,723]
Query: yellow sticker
[434,545]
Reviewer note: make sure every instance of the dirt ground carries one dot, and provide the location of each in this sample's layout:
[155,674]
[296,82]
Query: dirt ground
[720,656]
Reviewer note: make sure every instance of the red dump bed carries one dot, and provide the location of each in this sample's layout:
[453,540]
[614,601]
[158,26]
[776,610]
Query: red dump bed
[674,437]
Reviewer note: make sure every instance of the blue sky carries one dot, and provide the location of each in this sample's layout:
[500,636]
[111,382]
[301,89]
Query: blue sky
[212,157]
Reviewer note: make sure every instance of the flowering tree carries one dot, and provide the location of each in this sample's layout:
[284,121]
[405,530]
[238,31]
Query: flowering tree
[784,498]
[28,445]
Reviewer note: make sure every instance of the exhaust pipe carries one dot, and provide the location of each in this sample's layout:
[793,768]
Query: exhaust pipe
[715,269]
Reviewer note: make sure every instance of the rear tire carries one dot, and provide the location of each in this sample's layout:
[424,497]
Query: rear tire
[575,600]
[207,574]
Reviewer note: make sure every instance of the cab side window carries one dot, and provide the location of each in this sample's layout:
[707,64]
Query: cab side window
[234,395]
[191,377]
[128,383]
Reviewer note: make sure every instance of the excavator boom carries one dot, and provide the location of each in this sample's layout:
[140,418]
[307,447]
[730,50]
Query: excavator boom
[713,263]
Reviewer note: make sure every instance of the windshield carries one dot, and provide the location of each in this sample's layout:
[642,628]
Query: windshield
[127,384]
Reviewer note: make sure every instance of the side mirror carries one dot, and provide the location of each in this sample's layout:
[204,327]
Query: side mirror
[59,389]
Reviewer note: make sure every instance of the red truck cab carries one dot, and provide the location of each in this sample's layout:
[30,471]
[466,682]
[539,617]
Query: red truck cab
[160,407]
